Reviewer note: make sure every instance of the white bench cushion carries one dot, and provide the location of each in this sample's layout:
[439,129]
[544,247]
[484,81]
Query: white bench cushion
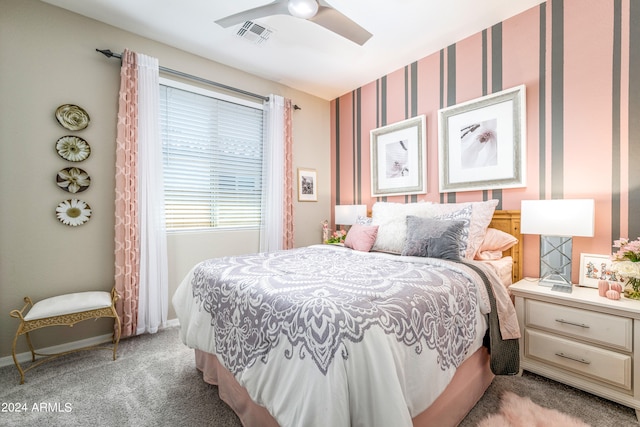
[69,303]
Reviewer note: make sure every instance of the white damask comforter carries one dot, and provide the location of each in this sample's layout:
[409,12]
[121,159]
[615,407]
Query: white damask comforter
[327,336]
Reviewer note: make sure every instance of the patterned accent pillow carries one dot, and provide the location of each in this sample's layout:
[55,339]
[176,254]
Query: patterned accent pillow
[480,219]
[364,220]
[433,238]
[463,215]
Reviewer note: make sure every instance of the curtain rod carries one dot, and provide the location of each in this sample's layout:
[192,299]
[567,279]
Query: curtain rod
[109,54]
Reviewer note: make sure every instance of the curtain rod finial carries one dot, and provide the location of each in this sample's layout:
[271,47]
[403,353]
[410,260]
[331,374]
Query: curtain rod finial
[105,52]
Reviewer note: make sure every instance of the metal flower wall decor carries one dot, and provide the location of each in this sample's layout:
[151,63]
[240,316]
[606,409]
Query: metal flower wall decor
[73,148]
[73,212]
[72,117]
[73,180]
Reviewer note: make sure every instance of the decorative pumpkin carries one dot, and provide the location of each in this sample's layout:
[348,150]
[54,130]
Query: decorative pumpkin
[611,294]
[603,287]
[616,286]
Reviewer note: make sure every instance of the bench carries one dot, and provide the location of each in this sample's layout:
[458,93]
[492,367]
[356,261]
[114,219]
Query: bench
[64,310]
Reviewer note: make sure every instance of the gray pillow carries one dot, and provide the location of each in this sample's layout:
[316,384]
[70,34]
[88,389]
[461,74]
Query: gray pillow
[463,215]
[433,238]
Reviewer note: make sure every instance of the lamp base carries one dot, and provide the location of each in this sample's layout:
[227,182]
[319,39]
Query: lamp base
[557,282]
[555,263]
[562,288]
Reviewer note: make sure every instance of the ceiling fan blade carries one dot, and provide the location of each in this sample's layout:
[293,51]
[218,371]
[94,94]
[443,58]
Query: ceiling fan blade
[278,7]
[335,21]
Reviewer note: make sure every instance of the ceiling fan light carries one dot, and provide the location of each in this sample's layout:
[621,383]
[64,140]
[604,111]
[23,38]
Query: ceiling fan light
[304,9]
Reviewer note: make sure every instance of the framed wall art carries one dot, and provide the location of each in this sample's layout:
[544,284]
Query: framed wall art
[595,267]
[307,185]
[482,143]
[399,158]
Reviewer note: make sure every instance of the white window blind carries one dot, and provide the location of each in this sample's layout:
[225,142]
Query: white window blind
[212,151]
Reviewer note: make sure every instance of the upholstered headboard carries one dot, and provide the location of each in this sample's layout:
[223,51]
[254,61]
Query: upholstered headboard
[509,222]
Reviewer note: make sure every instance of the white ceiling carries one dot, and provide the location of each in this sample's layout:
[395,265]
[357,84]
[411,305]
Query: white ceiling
[301,54]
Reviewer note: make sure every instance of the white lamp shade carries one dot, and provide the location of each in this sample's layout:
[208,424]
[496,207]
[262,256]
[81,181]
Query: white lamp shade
[348,214]
[558,217]
[304,9]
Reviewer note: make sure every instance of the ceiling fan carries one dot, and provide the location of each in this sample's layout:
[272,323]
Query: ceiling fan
[318,12]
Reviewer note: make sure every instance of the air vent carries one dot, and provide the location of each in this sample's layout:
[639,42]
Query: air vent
[254,33]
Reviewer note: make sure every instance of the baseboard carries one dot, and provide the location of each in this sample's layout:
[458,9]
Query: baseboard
[26,356]
[87,342]
[172,322]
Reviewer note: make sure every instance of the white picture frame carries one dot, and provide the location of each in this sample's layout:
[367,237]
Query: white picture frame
[307,185]
[399,158]
[595,267]
[482,143]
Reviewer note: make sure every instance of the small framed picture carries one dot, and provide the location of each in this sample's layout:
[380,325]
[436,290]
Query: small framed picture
[307,185]
[594,268]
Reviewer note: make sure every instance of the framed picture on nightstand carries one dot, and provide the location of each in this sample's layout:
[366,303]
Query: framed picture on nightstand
[595,267]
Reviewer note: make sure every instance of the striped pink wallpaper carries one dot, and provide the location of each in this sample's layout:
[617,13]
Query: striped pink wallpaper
[580,62]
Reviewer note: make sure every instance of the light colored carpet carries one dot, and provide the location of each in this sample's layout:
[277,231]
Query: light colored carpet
[593,410]
[154,382]
[516,411]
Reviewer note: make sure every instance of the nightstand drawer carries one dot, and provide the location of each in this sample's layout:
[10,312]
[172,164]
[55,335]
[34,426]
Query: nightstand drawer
[603,365]
[601,328]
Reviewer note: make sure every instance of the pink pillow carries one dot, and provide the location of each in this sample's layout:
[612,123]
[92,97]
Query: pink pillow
[494,243]
[361,237]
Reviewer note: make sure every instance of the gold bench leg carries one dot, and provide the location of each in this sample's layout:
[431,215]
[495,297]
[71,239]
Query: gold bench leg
[33,351]
[15,359]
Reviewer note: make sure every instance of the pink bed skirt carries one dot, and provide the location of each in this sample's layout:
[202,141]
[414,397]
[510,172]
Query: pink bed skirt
[467,387]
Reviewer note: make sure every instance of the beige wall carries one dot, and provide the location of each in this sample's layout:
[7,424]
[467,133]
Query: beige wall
[48,58]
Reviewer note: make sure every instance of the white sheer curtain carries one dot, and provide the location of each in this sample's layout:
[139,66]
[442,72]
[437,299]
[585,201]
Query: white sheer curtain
[273,176]
[277,207]
[153,288]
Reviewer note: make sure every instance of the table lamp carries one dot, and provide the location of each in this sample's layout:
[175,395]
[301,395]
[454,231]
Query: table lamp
[348,214]
[557,221]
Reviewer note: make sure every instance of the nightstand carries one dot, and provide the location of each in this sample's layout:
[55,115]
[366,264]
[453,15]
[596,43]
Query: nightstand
[581,339]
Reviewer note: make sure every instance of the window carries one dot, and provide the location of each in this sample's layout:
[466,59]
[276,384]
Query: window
[212,158]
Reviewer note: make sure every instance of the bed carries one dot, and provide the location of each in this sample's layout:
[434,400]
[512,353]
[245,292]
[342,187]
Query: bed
[331,335]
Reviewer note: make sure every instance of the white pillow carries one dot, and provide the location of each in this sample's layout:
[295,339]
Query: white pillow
[391,219]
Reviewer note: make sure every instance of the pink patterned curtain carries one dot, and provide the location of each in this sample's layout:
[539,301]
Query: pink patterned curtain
[127,253]
[287,228]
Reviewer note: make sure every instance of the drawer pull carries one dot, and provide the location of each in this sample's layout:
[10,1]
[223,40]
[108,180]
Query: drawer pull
[566,322]
[586,362]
